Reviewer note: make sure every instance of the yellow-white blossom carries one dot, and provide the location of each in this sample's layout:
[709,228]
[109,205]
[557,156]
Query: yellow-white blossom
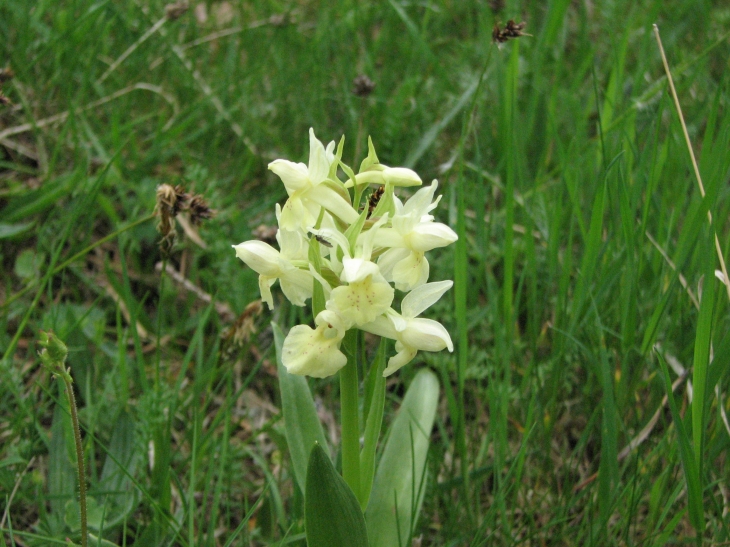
[413,333]
[412,233]
[296,283]
[356,260]
[310,189]
[315,352]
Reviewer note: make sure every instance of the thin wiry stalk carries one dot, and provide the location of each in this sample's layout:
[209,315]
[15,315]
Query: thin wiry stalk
[79,459]
[726,279]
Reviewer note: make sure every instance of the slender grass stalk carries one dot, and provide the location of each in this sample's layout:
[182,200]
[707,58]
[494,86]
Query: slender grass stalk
[119,60]
[349,411]
[726,279]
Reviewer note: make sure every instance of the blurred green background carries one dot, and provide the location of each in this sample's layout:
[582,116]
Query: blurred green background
[583,239]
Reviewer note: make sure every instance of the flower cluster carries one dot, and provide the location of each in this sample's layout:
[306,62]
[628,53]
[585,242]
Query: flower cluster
[355,255]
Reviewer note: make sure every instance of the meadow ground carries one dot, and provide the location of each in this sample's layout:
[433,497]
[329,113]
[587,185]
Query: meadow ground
[585,262]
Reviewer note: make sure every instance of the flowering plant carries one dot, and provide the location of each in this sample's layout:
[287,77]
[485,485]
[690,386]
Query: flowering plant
[348,252]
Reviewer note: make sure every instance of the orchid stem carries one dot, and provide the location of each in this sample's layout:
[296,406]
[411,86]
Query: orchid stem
[349,415]
[79,457]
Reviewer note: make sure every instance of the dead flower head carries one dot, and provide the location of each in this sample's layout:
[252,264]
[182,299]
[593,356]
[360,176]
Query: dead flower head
[171,200]
[6,74]
[199,210]
[510,31]
[242,330]
[176,10]
[362,86]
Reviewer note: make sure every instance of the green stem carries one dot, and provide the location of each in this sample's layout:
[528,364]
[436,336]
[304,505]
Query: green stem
[349,412]
[79,458]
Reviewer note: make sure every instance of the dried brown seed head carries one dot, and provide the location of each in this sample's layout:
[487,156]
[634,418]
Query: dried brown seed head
[362,86]
[165,208]
[510,31]
[199,210]
[496,5]
[176,10]
[6,74]
[170,201]
[243,329]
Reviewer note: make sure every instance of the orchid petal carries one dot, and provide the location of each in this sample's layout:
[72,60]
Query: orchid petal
[295,176]
[423,297]
[312,352]
[411,272]
[401,176]
[260,257]
[404,356]
[296,285]
[333,202]
[427,335]
[430,235]
[265,284]
[298,215]
[381,326]
[319,166]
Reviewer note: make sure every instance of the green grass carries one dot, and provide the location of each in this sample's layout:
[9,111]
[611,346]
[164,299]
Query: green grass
[556,172]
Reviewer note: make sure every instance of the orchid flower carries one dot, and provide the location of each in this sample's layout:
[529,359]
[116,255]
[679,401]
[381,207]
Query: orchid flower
[315,352]
[413,333]
[270,264]
[412,233]
[310,189]
[360,259]
[365,294]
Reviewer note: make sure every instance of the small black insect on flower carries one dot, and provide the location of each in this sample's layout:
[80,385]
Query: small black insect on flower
[323,241]
[375,199]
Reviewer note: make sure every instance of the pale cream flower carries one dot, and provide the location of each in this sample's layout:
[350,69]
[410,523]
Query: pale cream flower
[315,352]
[413,333]
[366,295]
[296,283]
[412,233]
[310,189]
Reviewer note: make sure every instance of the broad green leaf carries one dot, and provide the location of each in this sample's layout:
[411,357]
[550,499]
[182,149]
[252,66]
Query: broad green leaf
[301,422]
[95,514]
[332,513]
[400,479]
[61,469]
[116,484]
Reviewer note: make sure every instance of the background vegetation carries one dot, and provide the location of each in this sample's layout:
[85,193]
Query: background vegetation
[583,239]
